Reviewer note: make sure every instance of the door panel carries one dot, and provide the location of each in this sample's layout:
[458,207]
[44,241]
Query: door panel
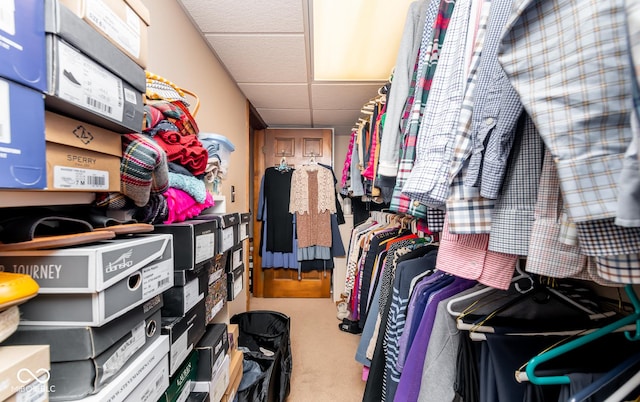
[297,146]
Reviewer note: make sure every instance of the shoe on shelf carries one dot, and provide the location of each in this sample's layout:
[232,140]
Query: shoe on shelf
[16,289]
[9,320]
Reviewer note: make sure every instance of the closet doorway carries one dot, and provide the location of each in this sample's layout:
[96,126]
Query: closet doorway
[298,147]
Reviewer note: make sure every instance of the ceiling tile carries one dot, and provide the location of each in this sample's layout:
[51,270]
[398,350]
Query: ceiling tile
[277,96]
[339,117]
[342,96]
[246,15]
[286,117]
[262,58]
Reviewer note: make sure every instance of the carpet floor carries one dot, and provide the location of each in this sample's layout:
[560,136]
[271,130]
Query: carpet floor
[324,368]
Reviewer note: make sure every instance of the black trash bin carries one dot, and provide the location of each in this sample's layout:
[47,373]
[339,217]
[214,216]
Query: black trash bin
[266,334]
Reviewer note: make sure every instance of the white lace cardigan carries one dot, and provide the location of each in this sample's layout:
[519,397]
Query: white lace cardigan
[299,196]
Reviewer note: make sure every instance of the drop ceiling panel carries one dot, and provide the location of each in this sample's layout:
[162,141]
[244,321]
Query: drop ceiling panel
[246,15]
[335,117]
[262,58]
[286,117]
[277,96]
[342,96]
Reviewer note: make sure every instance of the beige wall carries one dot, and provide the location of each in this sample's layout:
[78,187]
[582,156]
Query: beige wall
[178,53]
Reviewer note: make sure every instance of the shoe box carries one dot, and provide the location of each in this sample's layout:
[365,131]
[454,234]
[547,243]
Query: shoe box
[244,228]
[228,224]
[184,333]
[89,268]
[96,308]
[125,23]
[25,373]
[198,397]
[81,378]
[145,379]
[194,242]
[89,78]
[236,359]
[212,349]
[73,343]
[22,44]
[236,257]
[180,383]
[216,297]
[218,266]
[81,156]
[178,300]
[235,283]
[22,142]
[218,383]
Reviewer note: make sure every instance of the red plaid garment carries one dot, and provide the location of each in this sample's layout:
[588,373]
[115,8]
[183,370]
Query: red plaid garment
[412,116]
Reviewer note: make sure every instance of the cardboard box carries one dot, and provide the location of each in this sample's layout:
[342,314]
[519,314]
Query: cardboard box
[236,259]
[24,370]
[68,131]
[151,388]
[74,169]
[123,22]
[218,266]
[80,378]
[180,299]
[216,297]
[235,375]
[182,277]
[133,375]
[235,283]
[82,343]
[22,143]
[227,229]
[65,24]
[244,229]
[212,348]
[99,308]
[22,48]
[180,383]
[233,330]
[194,242]
[218,384]
[82,88]
[90,268]
[184,334]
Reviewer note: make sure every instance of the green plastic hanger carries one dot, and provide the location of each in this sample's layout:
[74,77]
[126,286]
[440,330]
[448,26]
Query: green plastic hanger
[576,343]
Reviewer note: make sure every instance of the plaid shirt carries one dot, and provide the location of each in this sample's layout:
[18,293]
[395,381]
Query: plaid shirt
[580,100]
[513,215]
[435,30]
[467,212]
[428,182]
[577,88]
[495,112]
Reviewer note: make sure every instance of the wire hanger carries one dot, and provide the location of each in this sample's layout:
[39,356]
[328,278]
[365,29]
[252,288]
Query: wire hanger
[633,318]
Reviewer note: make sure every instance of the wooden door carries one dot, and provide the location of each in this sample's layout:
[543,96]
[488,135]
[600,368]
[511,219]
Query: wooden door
[298,146]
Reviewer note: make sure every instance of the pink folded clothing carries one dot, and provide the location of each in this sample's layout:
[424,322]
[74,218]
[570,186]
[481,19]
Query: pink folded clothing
[181,206]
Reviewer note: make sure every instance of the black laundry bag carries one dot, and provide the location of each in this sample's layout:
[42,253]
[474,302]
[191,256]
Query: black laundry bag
[267,335]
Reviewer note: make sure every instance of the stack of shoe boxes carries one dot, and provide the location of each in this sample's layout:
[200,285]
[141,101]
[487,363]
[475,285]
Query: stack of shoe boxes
[97,88]
[235,365]
[235,266]
[213,362]
[23,81]
[98,310]
[185,314]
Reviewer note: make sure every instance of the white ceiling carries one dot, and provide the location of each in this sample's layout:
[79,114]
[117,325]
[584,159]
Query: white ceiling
[266,48]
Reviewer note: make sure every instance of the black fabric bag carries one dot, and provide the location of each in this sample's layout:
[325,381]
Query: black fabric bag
[267,335]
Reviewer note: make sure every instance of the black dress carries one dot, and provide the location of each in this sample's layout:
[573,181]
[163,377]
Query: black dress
[279,233]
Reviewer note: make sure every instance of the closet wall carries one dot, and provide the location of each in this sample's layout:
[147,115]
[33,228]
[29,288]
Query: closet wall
[178,53]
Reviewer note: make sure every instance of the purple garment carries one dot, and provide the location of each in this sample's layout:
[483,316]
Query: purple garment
[414,301]
[411,377]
